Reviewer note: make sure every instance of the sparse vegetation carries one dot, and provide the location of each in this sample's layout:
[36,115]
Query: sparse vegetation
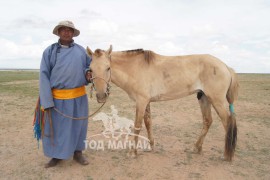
[176,127]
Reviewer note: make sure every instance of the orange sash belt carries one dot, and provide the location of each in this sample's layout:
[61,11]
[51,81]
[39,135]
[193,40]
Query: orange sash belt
[69,93]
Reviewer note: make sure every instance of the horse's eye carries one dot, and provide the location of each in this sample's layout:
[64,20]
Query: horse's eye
[108,69]
[90,70]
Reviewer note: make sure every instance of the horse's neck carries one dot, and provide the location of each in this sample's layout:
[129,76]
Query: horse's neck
[120,70]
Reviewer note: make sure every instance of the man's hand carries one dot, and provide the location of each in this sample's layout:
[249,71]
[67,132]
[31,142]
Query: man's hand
[88,76]
[47,109]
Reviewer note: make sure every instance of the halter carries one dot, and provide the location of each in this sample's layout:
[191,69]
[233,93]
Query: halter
[107,82]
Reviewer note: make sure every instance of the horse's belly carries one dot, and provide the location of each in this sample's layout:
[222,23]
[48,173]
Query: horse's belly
[171,96]
[177,92]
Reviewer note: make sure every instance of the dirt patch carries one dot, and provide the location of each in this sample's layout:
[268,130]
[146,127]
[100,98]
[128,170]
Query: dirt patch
[176,126]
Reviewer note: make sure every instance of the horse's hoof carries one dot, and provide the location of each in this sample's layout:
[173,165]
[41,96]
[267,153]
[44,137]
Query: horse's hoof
[197,150]
[148,149]
[132,154]
[226,158]
[152,143]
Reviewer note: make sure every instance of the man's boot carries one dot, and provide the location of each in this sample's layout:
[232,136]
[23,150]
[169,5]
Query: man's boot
[53,162]
[78,156]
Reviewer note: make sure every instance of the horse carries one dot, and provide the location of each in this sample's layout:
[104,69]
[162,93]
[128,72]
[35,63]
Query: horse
[149,77]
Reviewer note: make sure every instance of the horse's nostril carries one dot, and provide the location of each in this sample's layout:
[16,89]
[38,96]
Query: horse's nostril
[101,96]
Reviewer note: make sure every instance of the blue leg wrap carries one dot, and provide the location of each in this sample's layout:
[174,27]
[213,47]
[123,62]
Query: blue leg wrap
[231,107]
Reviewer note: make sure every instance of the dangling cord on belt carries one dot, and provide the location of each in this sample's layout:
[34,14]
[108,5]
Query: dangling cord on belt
[49,118]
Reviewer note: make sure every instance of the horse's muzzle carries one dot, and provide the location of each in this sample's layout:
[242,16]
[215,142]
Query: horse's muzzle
[101,97]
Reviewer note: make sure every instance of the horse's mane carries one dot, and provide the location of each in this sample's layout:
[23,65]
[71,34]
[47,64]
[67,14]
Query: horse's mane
[148,55]
[98,52]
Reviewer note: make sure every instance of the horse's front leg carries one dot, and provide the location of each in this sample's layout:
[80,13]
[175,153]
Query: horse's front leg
[140,110]
[148,125]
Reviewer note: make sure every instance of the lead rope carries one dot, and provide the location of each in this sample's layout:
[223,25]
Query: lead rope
[79,118]
[70,117]
[51,126]
[91,92]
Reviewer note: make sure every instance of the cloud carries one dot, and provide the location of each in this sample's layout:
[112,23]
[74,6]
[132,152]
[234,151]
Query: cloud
[203,30]
[24,55]
[29,22]
[165,35]
[101,27]
[169,48]
[87,13]
[234,31]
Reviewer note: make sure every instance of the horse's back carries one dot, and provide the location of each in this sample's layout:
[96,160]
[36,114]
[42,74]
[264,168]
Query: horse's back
[189,59]
[179,76]
[195,64]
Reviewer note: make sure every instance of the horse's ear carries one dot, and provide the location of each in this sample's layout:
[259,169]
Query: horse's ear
[109,50]
[89,51]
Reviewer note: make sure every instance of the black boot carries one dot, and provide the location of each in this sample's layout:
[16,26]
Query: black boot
[53,162]
[78,156]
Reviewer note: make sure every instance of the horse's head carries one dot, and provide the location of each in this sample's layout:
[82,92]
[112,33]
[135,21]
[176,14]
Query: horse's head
[101,72]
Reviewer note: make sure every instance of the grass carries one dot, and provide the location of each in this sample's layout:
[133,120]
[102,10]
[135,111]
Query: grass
[19,89]
[15,82]
[10,76]
[194,175]
[252,153]
[254,88]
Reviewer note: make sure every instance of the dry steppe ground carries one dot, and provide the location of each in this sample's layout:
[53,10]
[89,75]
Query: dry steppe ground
[176,126]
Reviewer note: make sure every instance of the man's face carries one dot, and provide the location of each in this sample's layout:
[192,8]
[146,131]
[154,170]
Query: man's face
[66,34]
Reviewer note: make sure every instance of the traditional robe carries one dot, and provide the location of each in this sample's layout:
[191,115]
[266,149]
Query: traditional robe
[63,68]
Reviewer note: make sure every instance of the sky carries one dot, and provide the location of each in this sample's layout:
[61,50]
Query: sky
[235,31]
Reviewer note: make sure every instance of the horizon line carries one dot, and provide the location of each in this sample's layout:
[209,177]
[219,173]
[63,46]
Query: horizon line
[37,69]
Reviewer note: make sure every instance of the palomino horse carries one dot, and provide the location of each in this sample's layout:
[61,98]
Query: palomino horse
[149,77]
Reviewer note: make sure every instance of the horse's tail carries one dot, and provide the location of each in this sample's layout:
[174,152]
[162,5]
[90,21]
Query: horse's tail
[231,134]
[232,93]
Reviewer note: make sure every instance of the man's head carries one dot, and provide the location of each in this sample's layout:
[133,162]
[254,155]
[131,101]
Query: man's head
[66,31]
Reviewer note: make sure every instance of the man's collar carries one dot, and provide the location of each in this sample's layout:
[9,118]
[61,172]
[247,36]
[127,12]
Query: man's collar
[70,45]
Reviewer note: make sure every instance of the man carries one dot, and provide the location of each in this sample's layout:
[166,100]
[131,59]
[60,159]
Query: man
[63,76]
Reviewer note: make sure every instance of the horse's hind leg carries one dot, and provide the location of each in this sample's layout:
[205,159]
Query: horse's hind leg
[207,119]
[148,125]
[220,107]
